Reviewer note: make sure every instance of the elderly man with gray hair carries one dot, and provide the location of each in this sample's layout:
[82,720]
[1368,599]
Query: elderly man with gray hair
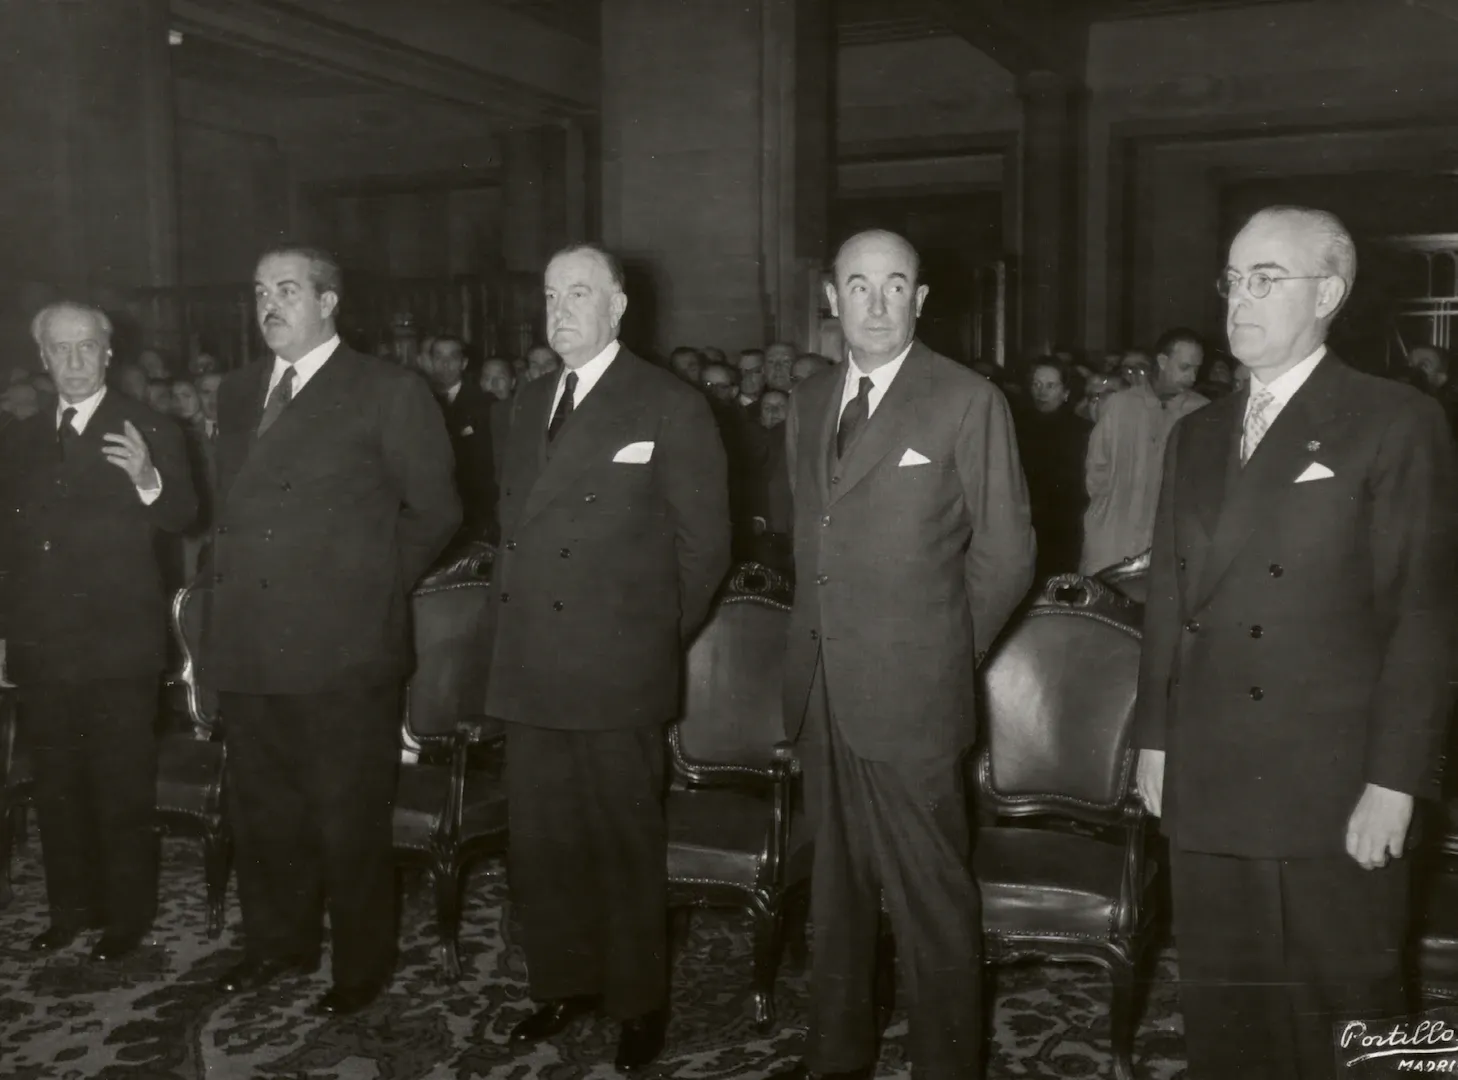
[84,489]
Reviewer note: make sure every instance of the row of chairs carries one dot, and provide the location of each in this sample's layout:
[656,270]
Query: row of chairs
[1062,857]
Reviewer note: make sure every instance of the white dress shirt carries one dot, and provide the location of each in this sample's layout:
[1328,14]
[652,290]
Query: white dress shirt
[450,395]
[305,367]
[85,410]
[1283,388]
[587,376]
[881,380]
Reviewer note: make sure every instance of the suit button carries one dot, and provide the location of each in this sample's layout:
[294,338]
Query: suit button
[1192,627]
[287,486]
[825,522]
[834,480]
[1256,631]
[822,579]
[566,553]
[1277,569]
[557,605]
[511,545]
[1182,564]
[1256,693]
[222,530]
[814,635]
[589,497]
[506,598]
[46,546]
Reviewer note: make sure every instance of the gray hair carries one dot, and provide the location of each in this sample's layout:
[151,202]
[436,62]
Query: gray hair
[1336,253]
[46,314]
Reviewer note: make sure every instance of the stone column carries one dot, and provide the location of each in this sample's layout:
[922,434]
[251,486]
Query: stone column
[716,163]
[1049,160]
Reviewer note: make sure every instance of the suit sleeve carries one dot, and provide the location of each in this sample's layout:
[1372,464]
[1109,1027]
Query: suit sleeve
[1099,460]
[1161,615]
[419,458]
[175,509]
[1000,556]
[1413,542]
[695,477]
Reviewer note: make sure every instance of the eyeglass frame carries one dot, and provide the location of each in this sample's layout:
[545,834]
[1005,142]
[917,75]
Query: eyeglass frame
[1224,285]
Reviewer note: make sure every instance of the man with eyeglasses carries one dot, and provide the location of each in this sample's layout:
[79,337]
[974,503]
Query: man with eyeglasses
[1294,688]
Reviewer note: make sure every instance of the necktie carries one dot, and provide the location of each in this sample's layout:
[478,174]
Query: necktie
[564,407]
[67,431]
[282,394]
[1256,422]
[854,417]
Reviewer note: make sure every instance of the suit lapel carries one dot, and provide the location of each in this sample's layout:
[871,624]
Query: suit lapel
[586,437]
[886,430]
[1254,490]
[824,412]
[321,396]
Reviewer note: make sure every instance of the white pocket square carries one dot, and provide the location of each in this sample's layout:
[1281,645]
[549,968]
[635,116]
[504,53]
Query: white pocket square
[467,430]
[911,457]
[1315,471]
[638,453]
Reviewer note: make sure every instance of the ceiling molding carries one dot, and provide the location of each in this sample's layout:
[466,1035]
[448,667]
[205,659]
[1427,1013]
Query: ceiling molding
[284,32]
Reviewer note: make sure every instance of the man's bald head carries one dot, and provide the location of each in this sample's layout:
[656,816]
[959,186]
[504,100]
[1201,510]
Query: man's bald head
[876,296]
[877,239]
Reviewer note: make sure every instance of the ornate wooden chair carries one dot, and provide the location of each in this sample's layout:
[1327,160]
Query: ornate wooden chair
[734,835]
[1059,705]
[1130,577]
[450,805]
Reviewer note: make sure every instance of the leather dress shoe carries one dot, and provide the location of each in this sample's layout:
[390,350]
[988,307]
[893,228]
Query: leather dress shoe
[641,1041]
[115,946]
[801,1071]
[551,1018]
[252,974]
[346,1000]
[53,939]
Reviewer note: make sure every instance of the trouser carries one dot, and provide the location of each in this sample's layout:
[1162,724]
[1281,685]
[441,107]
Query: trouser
[311,791]
[95,753]
[1274,952]
[896,833]
[588,863]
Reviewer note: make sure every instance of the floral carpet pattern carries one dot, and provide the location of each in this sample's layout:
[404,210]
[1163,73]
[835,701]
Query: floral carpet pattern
[156,1016]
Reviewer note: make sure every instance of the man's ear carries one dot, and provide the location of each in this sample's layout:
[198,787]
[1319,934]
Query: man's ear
[1330,292]
[833,297]
[618,305]
[921,291]
[328,303]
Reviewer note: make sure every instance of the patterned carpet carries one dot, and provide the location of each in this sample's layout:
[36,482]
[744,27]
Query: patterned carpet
[155,1016]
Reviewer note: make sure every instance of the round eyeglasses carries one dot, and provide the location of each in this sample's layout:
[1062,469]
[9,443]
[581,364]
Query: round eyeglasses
[1258,284]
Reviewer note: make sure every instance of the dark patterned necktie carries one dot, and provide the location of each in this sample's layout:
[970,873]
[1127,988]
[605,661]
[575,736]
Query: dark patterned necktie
[854,418]
[564,407]
[282,394]
[66,433]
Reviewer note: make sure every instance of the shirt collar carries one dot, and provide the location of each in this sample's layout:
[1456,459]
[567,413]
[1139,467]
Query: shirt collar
[85,409]
[590,372]
[883,376]
[306,366]
[450,395]
[1283,388]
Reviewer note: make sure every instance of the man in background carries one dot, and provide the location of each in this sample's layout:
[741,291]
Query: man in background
[541,361]
[779,362]
[468,420]
[687,364]
[1126,452]
[751,378]
[85,489]
[335,493]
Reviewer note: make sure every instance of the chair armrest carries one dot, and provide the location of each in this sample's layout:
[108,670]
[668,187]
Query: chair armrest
[786,768]
[786,758]
[474,729]
[448,831]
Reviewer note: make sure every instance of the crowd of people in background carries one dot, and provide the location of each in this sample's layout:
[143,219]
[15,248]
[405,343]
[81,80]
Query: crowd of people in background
[1091,428]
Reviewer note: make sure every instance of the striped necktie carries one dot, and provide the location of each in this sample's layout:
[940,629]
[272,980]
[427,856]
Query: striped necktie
[1256,422]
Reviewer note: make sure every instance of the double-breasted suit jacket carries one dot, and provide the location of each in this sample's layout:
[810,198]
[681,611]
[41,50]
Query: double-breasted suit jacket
[610,556]
[1299,634]
[910,554]
[323,525]
[81,592]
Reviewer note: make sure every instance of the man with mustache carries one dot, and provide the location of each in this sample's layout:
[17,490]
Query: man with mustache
[335,492]
[1294,686]
[615,536]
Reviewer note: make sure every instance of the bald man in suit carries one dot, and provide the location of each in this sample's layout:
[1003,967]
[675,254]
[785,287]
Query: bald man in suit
[913,545]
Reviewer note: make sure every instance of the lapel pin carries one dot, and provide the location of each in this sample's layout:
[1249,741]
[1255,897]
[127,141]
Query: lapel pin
[1313,446]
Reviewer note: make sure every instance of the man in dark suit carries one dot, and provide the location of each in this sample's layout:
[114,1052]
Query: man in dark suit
[913,544]
[615,527]
[468,419]
[84,490]
[1294,689]
[335,492]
